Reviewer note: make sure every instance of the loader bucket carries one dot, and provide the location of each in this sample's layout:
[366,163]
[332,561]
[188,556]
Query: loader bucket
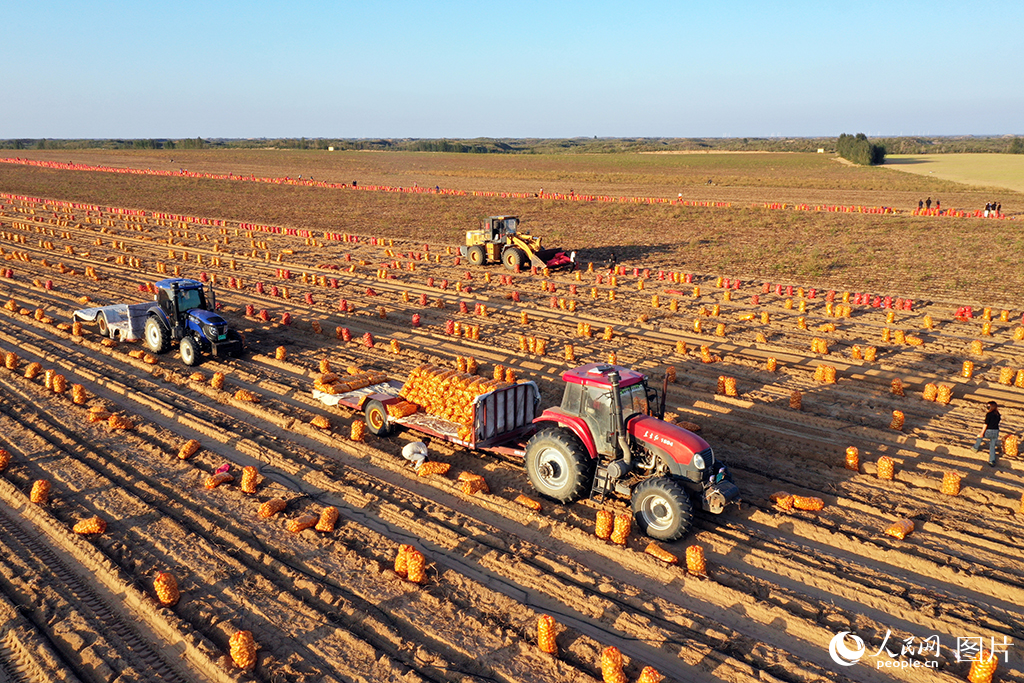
[555,259]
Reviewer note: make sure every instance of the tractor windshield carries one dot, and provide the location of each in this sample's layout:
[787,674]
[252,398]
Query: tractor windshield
[189,299]
[634,400]
[599,405]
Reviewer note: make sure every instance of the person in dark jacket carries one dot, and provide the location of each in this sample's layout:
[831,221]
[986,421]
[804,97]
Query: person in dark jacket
[991,432]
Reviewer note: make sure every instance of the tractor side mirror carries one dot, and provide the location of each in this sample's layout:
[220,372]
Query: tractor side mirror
[655,403]
[664,397]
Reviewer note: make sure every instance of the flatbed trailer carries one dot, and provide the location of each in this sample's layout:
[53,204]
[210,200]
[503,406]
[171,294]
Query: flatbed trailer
[120,322]
[502,419]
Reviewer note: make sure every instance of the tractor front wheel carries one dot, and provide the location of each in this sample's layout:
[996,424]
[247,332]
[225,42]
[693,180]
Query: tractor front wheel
[513,258]
[189,356]
[558,465]
[157,338]
[662,508]
[476,255]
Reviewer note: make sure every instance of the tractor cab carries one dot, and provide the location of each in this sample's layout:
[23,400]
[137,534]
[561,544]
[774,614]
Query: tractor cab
[184,303]
[179,296]
[589,395]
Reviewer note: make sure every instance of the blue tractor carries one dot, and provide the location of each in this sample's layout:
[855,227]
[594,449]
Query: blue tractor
[184,311]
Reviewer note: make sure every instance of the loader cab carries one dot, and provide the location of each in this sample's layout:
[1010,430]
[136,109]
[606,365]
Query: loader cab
[501,227]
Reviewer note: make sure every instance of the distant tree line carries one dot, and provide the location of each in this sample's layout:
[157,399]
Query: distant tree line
[1000,144]
[856,145]
[858,149]
[46,143]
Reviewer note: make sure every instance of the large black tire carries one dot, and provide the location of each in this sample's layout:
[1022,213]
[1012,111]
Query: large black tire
[558,465]
[189,353]
[157,337]
[476,255]
[376,416]
[662,508]
[513,258]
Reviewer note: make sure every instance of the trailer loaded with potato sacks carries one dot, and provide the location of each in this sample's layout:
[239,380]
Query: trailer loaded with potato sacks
[606,438]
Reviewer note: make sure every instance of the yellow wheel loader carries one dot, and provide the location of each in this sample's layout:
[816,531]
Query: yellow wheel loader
[499,240]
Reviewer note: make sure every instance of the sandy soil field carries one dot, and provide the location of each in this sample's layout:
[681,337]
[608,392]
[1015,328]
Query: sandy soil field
[779,585]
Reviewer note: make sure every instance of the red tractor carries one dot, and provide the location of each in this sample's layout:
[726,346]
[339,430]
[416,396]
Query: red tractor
[608,436]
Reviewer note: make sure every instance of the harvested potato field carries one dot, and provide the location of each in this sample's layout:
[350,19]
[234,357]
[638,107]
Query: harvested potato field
[219,522]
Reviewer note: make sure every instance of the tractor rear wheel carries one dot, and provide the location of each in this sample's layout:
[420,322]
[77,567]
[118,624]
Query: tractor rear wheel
[377,418]
[476,255]
[558,465]
[662,508]
[157,338]
[513,258]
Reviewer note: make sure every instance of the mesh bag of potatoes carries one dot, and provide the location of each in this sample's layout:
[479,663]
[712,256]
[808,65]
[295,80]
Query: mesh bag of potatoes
[327,383]
[402,409]
[782,500]
[900,529]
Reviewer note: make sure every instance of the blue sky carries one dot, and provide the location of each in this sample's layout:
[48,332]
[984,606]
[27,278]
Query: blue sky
[724,68]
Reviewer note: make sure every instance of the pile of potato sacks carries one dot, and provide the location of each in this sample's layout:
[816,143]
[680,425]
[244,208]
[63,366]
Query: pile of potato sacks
[448,394]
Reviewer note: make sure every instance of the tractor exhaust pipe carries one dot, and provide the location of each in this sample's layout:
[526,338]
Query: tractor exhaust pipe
[619,468]
[174,306]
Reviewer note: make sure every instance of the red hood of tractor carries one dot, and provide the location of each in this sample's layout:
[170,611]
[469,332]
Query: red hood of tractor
[679,443]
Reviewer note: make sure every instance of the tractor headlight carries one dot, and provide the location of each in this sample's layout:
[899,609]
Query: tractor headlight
[698,462]
[214,332]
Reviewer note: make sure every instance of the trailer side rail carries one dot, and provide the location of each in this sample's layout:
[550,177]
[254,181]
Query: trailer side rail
[501,414]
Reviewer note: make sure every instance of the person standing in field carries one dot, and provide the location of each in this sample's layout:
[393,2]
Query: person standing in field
[920,204]
[928,203]
[938,206]
[990,431]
